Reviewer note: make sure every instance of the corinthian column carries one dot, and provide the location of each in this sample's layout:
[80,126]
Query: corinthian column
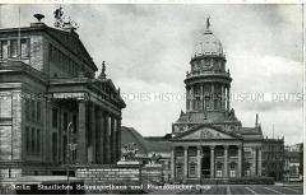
[185,163]
[225,161]
[259,162]
[199,158]
[82,145]
[212,161]
[239,160]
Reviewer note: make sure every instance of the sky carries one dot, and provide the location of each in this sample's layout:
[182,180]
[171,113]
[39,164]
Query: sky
[147,49]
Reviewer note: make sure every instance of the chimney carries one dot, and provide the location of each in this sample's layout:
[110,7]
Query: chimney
[256,120]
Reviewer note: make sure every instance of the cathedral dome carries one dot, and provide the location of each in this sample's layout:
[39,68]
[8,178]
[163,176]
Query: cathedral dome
[208,43]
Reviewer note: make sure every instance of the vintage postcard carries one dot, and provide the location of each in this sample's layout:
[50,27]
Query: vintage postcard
[152,98]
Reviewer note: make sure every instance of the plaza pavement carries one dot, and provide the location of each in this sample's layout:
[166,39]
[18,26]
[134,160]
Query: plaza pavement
[236,189]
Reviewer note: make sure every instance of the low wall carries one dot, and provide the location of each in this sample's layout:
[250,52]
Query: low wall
[235,181]
[152,173]
[113,179]
[10,172]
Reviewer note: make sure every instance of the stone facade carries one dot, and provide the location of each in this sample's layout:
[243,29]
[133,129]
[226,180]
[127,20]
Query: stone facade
[208,140]
[293,163]
[53,110]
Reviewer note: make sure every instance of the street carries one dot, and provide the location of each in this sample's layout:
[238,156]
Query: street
[237,189]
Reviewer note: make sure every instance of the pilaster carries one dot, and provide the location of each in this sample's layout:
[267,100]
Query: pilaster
[254,162]
[225,161]
[202,98]
[212,161]
[173,164]
[191,98]
[228,98]
[212,97]
[259,173]
[239,161]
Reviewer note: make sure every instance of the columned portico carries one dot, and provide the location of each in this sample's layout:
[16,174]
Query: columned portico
[97,134]
[230,161]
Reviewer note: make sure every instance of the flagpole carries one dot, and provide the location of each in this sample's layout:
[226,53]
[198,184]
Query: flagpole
[19,42]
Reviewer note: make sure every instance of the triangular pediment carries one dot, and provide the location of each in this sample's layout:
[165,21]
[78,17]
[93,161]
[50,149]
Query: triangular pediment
[206,133]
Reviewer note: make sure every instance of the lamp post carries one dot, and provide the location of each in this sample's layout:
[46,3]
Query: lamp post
[71,147]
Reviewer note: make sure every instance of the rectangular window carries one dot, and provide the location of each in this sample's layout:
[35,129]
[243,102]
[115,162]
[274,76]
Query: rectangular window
[28,136]
[192,169]
[14,48]
[24,45]
[5,105]
[115,125]
[33,135]
[75,123]
[38,112]
[109,126]
[219,173]
[65,120]
[54,146]
[4,49]
[38,137]
[33,110]
[54,117]
[232,173]
[27,109]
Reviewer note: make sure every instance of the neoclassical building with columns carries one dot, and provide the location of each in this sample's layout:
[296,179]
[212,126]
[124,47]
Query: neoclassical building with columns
[54,110]
[208,140]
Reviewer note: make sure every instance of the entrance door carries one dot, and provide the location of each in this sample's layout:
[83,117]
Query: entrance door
[205,163]
[179,172]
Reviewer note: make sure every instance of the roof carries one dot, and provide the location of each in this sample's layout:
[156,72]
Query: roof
[197,127]
[199,117]
[70,40]
[145,145]
[130,135]
[251,133]
[158,144]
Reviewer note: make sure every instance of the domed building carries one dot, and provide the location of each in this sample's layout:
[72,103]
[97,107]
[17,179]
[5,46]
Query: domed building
[208,140]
